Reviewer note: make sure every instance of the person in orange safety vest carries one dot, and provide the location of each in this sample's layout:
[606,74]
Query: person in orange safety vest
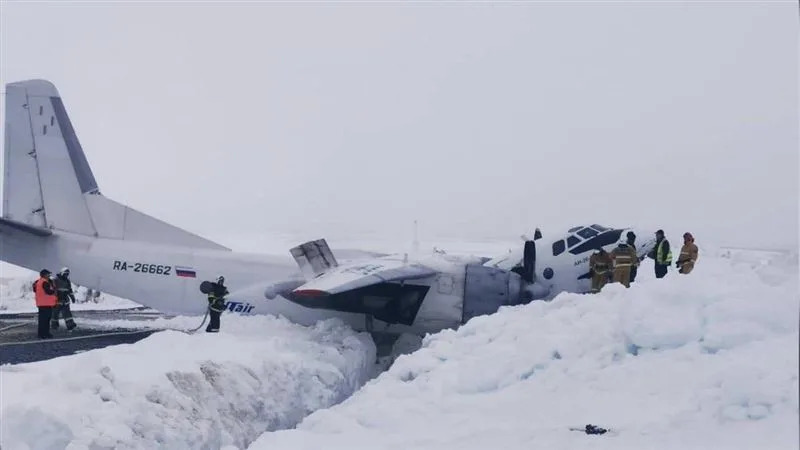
[45,295]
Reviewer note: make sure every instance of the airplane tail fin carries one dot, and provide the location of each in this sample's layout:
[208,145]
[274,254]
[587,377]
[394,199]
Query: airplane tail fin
[48,182]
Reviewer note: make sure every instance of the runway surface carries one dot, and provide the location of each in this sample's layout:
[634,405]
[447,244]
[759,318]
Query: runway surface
[19,343]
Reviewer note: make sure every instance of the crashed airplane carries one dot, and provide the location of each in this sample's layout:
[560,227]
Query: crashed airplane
[54,215]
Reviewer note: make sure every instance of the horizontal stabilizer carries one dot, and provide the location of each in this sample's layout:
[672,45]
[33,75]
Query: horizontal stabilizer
[24,227]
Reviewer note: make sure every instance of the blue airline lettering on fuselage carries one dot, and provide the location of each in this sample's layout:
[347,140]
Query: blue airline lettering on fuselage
[239,307]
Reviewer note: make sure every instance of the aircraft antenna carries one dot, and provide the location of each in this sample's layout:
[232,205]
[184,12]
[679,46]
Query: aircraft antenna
[415,243]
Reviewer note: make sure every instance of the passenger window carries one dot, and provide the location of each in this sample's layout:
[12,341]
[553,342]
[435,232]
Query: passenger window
[586,233]
[599,228]
[558,247]
[572,241]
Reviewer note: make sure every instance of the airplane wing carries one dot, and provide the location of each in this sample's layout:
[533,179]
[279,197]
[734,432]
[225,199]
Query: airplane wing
[361,274]
[348,254]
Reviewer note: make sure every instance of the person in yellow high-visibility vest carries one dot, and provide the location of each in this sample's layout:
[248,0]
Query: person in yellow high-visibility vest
[661,254]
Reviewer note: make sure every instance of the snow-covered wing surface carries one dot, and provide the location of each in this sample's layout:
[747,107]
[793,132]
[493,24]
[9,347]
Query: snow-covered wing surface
[345,255]
[366,273]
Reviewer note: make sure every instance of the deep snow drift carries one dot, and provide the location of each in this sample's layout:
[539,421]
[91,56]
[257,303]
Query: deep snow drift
[708,360]
[180,391]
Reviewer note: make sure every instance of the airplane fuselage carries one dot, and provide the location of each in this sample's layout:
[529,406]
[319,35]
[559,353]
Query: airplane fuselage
[167,278]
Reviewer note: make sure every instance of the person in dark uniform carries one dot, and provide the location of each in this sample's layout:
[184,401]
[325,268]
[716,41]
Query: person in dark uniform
[216,303]
[64,296]
[45,295]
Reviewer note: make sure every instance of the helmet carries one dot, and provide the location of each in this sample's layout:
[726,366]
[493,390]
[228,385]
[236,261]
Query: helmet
[44,273]
[630,235]
[220,279]
[64,271]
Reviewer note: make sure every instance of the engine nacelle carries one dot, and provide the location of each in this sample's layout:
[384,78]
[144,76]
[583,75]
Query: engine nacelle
[487,288]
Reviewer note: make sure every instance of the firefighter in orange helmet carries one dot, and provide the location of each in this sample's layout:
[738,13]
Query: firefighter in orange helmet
[688,256]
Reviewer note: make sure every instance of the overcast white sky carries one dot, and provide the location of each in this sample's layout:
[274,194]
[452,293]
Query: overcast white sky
[480,120]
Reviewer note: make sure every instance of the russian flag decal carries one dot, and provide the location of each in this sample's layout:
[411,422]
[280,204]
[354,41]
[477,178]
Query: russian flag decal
[186,272]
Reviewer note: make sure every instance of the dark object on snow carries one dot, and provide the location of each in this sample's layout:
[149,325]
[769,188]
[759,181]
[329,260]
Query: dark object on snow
[591,429]
[205,287]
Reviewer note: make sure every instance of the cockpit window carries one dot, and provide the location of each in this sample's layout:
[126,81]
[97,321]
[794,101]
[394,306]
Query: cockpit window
[558,247]
[586,233]
[599,228]
[573,229]
[601,240]
[572,241]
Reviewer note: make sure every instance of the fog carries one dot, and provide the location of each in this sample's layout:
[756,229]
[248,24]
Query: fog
[479,120]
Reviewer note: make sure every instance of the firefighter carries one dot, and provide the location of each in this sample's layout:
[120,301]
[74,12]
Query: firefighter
[688,256]
[45,296]
[661,254]
[599,266]
[631,240]
[216,303]
[64,295]
[624,258]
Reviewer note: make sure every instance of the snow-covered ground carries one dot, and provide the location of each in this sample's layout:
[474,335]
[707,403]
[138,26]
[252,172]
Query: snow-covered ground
[180,391]
[16,296]
[708,360]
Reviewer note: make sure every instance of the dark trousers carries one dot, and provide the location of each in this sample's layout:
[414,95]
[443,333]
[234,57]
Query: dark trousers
[45,312]
[213,324]
[661,270]
[64,311]
[634,269]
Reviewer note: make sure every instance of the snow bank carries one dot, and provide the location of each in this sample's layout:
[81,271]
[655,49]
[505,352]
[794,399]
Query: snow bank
[708,360]
[16,296]
[179,391]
